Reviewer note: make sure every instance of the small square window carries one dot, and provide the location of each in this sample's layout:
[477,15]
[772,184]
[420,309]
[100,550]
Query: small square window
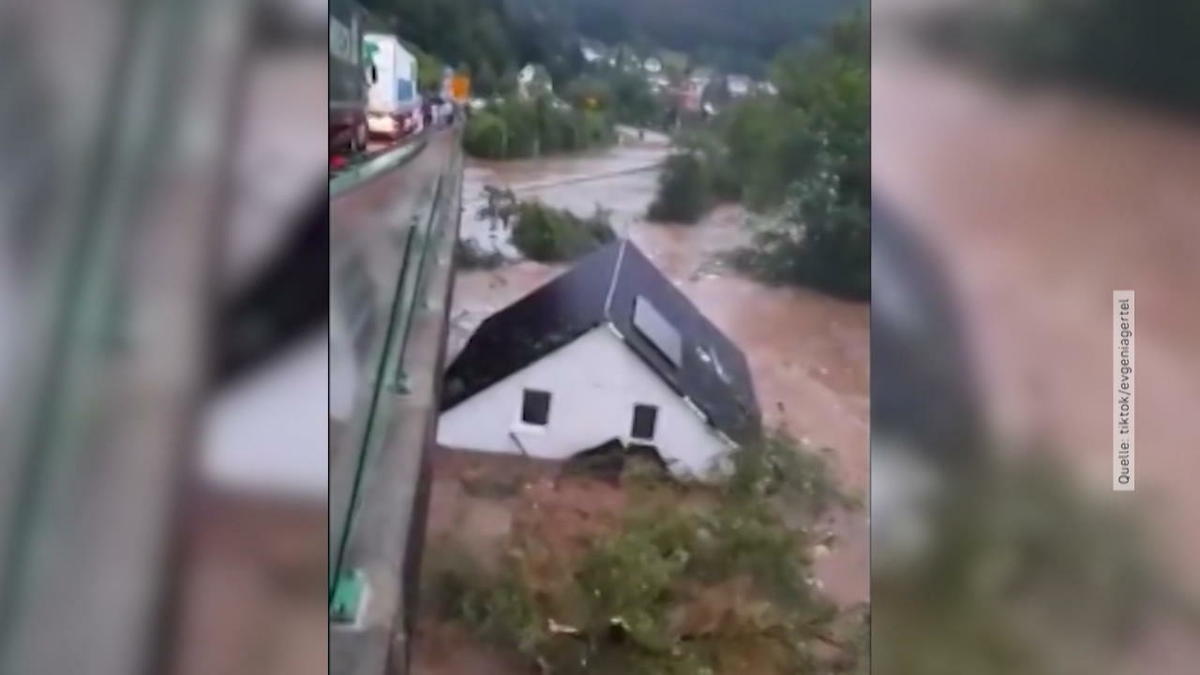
[535,408]
[645,418]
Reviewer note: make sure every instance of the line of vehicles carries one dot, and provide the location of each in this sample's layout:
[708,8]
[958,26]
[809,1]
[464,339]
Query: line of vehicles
[373,85]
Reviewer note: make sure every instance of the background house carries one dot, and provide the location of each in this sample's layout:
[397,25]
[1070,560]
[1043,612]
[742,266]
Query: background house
[533,81]
[608,350]
[739,85]
[593,50]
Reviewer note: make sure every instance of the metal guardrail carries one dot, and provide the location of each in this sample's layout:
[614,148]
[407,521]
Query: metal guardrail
[391,376]
[380,466]
[377,165]
[98,455]
[400,381]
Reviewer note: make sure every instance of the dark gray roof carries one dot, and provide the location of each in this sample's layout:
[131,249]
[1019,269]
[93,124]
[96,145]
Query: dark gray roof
[603,287]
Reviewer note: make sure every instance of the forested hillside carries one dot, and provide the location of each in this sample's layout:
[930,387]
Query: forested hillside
[494,38]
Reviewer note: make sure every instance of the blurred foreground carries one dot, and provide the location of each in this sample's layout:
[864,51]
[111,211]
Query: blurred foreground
[1041,172]
[163,300]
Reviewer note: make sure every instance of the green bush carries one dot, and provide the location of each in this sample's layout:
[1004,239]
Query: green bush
[558,130]
[547,234]
[721,586]
[685,189]
[596,129]
[801,157]
[778,467]
[707,143]
[515,128]
[486,136]
[766,145]
[522,127]
[820,240]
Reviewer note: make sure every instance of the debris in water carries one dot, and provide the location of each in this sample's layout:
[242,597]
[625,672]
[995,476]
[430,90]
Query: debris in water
[557,628]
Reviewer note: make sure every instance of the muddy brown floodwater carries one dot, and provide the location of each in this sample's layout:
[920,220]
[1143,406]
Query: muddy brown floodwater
[809,353]
[1042,205]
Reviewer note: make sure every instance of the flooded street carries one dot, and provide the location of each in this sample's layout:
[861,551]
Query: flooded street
[808,352]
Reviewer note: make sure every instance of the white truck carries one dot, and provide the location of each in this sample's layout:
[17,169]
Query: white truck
[393,108]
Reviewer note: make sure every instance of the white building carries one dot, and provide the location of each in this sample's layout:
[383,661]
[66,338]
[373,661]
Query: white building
[592,51]
[609,350]
[691,94]
[739,85]
[700,78]
[652,65]
[534,80]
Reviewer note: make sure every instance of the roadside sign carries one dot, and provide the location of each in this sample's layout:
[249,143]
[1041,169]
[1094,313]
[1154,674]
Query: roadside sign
[460,88]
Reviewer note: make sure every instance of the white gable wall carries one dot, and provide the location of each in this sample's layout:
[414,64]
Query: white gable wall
[594,383]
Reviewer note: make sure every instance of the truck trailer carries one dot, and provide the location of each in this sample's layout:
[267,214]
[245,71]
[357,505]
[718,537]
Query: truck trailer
[350,74]
[393,108]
